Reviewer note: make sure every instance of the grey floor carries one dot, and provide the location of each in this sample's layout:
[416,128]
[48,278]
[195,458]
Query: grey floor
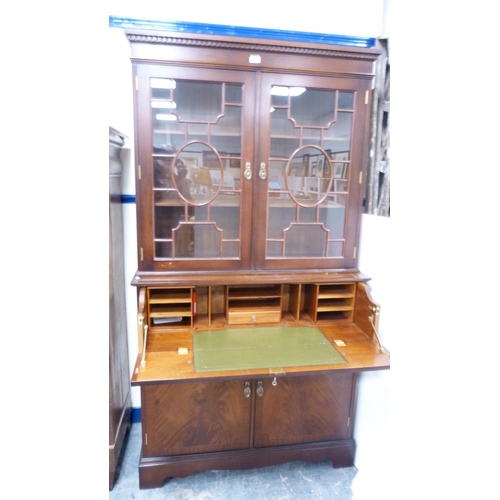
[297,481]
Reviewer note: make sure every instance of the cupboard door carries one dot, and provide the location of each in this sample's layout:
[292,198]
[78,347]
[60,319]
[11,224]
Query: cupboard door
[194,139]
[195,418]
[308,192]
[304,409]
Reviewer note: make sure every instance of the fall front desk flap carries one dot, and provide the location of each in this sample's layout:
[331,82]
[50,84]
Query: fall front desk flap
[262,347]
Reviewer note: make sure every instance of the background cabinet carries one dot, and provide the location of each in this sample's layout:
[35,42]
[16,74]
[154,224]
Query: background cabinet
[119,378]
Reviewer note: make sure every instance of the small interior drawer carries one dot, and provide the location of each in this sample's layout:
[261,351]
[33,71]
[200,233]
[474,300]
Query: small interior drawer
[241,315]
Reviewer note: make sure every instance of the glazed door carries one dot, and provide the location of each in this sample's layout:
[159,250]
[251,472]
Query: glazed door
[303,409]
[195,135]
[308,188]
[195,418]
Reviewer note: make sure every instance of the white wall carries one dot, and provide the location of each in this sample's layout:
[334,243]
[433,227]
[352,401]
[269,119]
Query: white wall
[373,405]
[373,419]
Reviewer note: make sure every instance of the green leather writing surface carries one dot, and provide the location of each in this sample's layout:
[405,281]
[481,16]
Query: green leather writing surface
[262,347]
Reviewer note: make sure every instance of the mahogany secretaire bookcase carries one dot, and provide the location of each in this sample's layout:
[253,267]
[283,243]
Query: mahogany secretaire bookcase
[253,319]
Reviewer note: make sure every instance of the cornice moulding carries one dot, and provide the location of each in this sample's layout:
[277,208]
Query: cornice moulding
[302,48]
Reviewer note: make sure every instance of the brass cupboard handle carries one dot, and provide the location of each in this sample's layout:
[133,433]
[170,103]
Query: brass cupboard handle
[248,171]
[263,171]
[247,391]
[260,389]
[143,361]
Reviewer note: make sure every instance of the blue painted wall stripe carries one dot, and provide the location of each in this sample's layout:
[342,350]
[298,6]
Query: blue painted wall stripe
[135,415]
[128,198]
[220,29]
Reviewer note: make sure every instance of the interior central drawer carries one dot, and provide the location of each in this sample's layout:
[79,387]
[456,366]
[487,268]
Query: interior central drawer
[242,315]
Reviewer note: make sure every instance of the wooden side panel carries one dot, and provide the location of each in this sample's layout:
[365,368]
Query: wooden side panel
[195,418]
[294,301]
[304,410]
[366,312]
[311,306]
[142,318]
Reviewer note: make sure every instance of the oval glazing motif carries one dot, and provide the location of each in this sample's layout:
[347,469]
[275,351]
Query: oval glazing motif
[309,176]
